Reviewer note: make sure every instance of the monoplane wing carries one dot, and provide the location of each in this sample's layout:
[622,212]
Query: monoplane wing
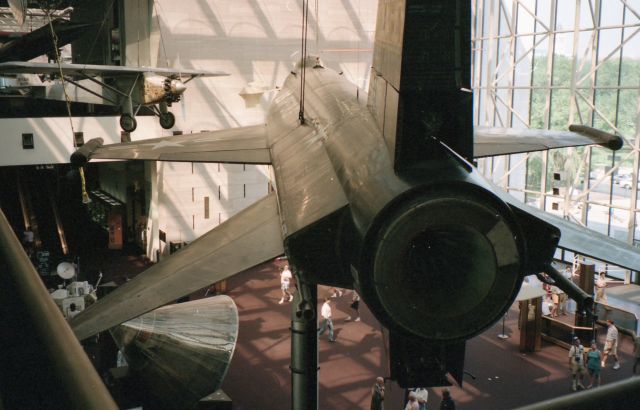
[490,141]
[582,240]
[246,145]
[248,238]
[90,70]
[38,42]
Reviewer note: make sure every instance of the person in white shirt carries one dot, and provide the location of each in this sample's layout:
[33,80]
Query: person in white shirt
[325,313]
[285,282]
[563,299]
[576,362]
[412,402]
[611,345]
[601,284]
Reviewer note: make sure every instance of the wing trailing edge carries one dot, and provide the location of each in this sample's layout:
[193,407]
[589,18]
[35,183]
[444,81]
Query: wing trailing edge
[82,70]
[244,145]
[250,237]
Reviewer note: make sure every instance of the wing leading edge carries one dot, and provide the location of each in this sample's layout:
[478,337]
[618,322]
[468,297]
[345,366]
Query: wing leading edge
[250,237]
[491,141]
[582,240]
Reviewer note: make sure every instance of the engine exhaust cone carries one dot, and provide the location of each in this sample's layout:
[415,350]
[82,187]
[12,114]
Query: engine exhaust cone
[445,268]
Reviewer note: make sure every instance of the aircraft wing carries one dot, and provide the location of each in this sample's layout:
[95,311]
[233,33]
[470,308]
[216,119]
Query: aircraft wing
[248,238]
[84,70]
[38,42]
[246,145]
[581,240]
[490,141]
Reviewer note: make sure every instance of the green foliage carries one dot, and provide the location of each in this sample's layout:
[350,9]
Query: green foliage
[608,74]
[534,172]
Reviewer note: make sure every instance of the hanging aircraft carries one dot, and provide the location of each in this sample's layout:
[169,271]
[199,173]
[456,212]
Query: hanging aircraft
[125,86]
[379,195]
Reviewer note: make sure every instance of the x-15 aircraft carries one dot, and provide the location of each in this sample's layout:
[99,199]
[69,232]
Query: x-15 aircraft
[126,87]
[380,195]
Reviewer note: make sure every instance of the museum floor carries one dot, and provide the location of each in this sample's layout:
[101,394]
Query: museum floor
[259,376]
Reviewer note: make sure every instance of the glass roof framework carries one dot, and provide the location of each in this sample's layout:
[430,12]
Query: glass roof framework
[551,63]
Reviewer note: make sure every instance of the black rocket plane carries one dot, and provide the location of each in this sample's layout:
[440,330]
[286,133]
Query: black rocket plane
[377,193]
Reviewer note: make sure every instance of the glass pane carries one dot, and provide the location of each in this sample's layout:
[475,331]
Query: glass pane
[520,114]
[559,110]
[622,178]
[505,19]
[540,76]
[605,103]
[566,11]
[524,55]
[586,16]
[619,224]
[585,61]
[537,114]
[517,166]
[534,172]
[611,13]
[598,218]
[627,111]
[630,70]
[564,47]
[532,200]
[601,160]
[608,41]
[498,169]
[543,11]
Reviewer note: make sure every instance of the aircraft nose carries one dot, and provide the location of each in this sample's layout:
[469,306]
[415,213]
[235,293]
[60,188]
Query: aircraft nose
[178,87]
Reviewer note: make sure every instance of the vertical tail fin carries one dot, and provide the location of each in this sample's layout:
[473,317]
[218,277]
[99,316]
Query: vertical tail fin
[421,77]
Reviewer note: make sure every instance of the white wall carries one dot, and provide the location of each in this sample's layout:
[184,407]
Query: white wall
[257,42]
[53,138]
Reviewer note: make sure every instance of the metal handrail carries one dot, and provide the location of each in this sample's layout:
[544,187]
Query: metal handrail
[75,375]
[623,394]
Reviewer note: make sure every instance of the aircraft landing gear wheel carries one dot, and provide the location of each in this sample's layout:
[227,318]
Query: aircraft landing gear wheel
[128,123]
[167,120]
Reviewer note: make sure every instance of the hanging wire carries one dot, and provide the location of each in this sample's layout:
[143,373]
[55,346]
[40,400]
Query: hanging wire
[54,38]
[317,30]
[164,50]
[95,38]
[305,25]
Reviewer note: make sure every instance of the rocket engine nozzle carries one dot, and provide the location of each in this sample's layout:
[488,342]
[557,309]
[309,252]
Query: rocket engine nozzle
[443,265]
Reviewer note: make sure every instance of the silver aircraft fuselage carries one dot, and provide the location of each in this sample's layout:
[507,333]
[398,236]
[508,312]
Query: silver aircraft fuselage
[442,217]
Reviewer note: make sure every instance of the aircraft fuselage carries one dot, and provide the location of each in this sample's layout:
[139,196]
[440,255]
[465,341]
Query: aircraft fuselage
[434,253]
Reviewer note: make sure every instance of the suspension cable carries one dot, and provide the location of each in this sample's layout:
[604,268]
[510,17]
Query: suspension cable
[156,6]
[95,39]
[54,38]
[305,25]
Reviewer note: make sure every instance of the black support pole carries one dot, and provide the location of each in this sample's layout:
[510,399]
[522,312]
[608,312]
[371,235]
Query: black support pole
[304,347]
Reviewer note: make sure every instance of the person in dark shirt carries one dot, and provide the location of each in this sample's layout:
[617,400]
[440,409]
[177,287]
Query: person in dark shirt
[377,394]
[447,403]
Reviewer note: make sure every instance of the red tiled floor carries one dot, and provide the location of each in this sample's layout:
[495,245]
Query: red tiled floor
[259,376]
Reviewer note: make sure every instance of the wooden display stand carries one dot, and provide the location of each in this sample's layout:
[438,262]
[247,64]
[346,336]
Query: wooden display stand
[530,324]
